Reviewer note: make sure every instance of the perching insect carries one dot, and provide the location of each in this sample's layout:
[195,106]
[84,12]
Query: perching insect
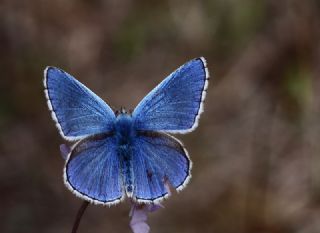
[127,154]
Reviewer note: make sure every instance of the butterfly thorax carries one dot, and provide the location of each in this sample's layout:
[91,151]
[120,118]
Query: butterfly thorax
[124,134]
[124,129]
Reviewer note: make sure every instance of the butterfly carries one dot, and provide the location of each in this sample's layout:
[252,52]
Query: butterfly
[119,154]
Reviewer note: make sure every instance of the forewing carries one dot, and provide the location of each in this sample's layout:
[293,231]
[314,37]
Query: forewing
[175,105]
[158,158]
[77,111]
[92,170]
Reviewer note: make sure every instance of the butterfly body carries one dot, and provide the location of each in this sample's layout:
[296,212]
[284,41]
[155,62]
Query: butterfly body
[125,134]
[127,154]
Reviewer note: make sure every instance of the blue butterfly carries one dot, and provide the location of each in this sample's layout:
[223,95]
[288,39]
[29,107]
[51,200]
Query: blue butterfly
[127,154]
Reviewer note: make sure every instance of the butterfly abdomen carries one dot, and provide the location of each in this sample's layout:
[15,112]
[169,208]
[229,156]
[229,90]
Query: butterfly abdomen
[124,134]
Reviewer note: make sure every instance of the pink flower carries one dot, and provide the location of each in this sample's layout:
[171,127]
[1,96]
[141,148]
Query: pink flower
[139,214]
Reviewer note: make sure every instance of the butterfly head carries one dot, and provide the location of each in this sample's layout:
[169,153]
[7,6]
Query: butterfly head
[123,111]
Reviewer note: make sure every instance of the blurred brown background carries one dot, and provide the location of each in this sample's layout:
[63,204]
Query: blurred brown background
[256,151]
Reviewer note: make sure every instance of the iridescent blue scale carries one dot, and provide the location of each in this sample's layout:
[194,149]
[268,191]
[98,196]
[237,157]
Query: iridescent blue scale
[127,154]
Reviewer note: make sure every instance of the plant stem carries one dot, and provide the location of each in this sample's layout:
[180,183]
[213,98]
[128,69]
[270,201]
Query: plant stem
[79,216]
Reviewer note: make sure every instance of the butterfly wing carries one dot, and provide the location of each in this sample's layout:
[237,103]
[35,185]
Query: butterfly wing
[175,105]
[77,111]
[158,158]
[92,170]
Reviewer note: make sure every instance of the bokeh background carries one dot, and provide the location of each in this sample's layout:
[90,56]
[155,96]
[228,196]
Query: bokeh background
[256,151]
